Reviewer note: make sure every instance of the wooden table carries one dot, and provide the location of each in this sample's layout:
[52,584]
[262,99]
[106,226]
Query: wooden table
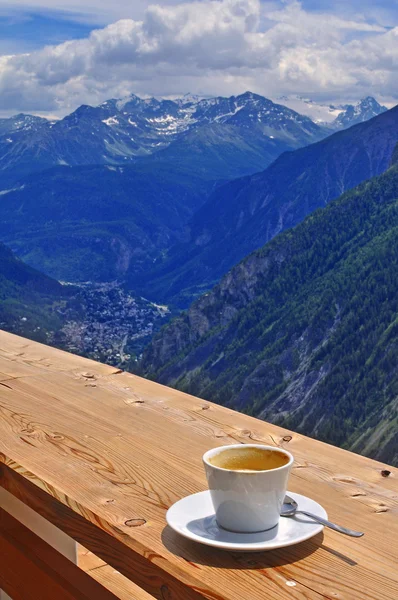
[103,454]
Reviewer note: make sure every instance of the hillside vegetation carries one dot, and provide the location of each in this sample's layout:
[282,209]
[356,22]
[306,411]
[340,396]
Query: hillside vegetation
[28,299]
[304,332]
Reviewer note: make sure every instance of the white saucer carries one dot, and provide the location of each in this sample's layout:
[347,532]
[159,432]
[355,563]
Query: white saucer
[193,517]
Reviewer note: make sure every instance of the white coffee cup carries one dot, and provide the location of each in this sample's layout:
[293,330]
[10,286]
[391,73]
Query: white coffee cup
[247,501]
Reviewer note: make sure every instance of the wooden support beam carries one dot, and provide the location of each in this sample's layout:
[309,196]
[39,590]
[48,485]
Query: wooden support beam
[33,570]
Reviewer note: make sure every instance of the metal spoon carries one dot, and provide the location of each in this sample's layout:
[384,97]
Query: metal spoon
[290,508]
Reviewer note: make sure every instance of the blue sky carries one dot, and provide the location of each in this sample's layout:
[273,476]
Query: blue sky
[24,31]
[331,50]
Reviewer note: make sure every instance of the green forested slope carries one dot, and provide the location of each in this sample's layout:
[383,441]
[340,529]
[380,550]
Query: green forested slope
[28,299]
[304,332]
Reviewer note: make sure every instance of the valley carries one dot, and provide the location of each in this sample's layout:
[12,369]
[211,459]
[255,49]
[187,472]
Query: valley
[99,320]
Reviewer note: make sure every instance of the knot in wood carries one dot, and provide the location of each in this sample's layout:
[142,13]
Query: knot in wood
[56,436]
[88,375]
[135,522]
[245,433]
[385,473]
[381,509]
[165,592]
[287,438]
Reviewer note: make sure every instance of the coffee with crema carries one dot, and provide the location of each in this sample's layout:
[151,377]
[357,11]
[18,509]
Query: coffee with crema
[249,459]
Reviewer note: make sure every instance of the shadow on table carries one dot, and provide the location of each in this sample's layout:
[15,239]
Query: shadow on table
[197,553]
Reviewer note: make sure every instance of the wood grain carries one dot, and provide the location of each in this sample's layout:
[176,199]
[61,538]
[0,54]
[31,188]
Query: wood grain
[97,451]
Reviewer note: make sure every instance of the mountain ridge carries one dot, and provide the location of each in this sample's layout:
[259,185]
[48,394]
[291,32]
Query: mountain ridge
[118,132]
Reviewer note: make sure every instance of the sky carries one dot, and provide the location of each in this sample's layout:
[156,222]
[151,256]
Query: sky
[58,54]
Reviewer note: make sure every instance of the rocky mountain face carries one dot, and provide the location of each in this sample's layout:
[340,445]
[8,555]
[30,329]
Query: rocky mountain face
[352,114]
[304,331]
[335,116]
[21,124]
[121,131]
[219,152]
[242,215]
[95,223]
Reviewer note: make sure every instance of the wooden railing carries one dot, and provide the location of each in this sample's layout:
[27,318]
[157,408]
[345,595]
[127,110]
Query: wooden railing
[93,456]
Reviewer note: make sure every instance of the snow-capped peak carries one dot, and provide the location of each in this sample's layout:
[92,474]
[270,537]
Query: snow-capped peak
[361,111]
[335,116]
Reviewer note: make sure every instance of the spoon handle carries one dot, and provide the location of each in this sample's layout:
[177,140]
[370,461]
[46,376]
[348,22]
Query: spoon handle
[331,525]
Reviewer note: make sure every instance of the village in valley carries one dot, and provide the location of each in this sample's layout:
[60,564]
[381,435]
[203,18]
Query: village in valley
[111,325]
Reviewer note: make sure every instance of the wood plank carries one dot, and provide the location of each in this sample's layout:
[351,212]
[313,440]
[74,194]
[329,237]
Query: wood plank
[33,570]
[371,489]
[87,560]
[99,430]
[122,587]
[21,357]
[116,449]
[108,577]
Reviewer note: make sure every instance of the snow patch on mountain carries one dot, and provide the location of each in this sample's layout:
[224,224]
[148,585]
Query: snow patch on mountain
[318,112]
[17,189]
[111,121]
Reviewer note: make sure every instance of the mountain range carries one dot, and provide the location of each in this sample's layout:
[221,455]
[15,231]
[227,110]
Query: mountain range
[304,331]
[108,189]
[105,192]
[245,213]
[119,132]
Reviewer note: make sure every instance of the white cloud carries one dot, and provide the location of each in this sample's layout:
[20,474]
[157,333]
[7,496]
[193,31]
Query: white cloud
[208,46]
